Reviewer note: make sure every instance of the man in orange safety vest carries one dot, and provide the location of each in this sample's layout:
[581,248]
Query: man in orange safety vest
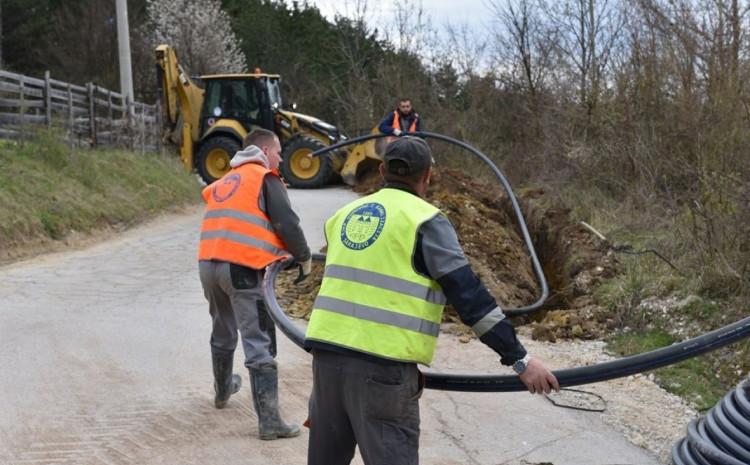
[248,224]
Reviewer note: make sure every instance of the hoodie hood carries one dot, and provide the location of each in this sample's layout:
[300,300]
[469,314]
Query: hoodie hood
[250,154]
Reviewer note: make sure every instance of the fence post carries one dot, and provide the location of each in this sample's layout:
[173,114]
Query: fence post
[143,129]
[132,120]
[156,128]
[71,115]
[48,99]
[22,111]
[110,123]
[92,113]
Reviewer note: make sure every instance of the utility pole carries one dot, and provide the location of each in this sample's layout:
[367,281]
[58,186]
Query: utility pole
[123,40]
[1,34]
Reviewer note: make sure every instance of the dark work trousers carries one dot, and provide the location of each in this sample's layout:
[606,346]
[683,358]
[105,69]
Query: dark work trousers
[235,302]
[356,401]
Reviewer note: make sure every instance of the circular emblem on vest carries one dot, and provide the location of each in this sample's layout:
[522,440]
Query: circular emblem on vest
[225,188]
[363,226]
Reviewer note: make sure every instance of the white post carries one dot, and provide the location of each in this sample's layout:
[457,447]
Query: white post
[123,40]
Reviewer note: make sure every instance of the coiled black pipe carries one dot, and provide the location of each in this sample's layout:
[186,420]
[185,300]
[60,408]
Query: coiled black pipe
[722,436]
[506,185]
[507,383]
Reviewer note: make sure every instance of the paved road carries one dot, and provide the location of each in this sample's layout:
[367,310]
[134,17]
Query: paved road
[104,359]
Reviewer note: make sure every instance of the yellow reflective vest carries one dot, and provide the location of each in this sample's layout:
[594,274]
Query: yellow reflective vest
[371,299]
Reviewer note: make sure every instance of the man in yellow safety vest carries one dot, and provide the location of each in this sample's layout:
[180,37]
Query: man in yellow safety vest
[393,262]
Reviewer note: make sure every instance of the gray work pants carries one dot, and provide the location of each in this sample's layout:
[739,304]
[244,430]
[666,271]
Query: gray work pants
[235,302]
[358,401]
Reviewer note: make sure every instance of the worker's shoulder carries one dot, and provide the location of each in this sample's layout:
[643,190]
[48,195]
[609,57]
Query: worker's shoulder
[438,223]
[271,178]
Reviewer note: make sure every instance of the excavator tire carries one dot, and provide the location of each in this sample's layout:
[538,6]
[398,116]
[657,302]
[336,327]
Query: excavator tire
[302,171]
[214,156]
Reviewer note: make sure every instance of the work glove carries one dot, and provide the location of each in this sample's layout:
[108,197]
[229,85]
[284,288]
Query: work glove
[397,132]
[304,270]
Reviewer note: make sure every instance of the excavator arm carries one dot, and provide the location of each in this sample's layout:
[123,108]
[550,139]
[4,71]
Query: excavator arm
[182,100]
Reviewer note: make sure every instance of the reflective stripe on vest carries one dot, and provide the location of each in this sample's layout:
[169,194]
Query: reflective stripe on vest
[397,122]
[371,299]
[386,282]
[242,239]
[238,215]
[235,229]
[377,315]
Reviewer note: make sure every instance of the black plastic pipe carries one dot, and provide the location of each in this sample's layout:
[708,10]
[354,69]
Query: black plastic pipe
[508,190]
[507,383]
[568,377]
[722,436]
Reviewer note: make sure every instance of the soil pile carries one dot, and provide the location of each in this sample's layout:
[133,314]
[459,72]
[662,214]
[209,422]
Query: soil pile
[574,262]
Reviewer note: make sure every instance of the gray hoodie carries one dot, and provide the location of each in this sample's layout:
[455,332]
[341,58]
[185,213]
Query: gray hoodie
[274,201]
[250,154]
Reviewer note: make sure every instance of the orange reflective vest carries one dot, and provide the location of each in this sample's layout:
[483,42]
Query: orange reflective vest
[397,122]
[235,229]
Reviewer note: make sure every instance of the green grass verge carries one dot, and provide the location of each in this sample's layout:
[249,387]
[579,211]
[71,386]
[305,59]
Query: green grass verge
[648,305]
[48,189]
[694,380]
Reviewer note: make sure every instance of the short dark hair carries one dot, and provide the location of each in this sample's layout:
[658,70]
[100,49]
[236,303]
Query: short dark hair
[404,99]
[258,137]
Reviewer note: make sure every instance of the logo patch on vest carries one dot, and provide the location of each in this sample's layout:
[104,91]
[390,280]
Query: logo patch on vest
[363,226]
[225,189]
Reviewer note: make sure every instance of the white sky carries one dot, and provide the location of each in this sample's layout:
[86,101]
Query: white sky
[473,13]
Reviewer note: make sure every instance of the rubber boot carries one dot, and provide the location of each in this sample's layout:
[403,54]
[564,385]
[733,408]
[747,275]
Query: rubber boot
[265,384]
[225,382]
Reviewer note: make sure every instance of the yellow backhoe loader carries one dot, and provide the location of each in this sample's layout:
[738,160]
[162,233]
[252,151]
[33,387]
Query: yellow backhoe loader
[208,122]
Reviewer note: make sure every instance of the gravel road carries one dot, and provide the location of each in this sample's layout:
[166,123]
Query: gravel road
[105,360]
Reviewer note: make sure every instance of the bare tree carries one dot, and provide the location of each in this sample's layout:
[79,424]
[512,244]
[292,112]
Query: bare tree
[524,42]
[588,32]
[200,31]
[412,27]
[353,95]
[465,49]
[411,31]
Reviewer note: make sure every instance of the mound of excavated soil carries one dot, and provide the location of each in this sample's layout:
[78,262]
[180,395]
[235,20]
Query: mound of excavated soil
[573,261]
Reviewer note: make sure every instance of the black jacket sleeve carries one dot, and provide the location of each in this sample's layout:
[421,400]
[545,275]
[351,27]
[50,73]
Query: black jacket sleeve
[386,125]
[439,256]
[274,200]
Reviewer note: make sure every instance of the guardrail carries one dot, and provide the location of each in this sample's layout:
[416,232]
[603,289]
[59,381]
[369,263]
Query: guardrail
[89,115]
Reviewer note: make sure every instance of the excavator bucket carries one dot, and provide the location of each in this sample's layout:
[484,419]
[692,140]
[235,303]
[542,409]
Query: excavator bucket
[363,160]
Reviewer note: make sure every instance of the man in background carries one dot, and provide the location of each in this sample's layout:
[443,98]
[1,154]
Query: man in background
[402,119]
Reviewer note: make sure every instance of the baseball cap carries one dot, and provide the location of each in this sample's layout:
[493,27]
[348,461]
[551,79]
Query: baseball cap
[407,155]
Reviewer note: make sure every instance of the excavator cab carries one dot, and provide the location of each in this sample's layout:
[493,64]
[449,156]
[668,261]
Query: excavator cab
[245,100]
[233,105]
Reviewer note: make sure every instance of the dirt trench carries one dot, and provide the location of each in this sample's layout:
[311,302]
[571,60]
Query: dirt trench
[573,259]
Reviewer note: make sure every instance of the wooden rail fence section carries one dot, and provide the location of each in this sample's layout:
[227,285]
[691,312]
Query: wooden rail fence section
[89,115]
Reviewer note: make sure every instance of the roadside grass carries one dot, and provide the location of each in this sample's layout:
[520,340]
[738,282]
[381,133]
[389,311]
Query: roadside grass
[694,380]
[49,190]
[652,305]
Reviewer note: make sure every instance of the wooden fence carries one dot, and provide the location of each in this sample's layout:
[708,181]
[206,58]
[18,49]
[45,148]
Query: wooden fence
[88,115]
